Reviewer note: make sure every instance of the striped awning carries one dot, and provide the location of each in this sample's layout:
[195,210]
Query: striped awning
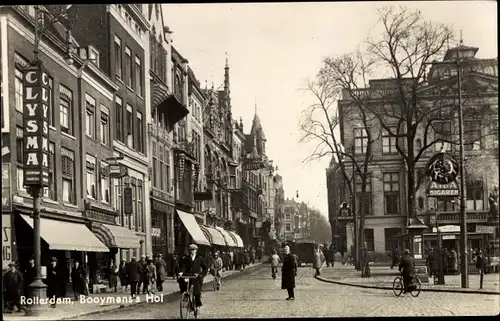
[67,236]
[215,237]
[160,94]
[229,240]
[237,239]
[116,236]
[192,227]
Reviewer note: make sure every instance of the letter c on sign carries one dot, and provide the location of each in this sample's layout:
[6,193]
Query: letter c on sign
[45,79]
[29,77]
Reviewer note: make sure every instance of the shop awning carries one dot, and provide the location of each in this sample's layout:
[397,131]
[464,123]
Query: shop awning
[229,240]
[236,238]
[215,237]
[67,236]
[192,227]
[116,236]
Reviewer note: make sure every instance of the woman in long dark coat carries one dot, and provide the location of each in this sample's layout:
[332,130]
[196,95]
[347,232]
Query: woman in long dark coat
[122,274]
[288,273]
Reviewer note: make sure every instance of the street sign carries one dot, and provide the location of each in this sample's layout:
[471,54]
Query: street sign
[485,229]
[450,189]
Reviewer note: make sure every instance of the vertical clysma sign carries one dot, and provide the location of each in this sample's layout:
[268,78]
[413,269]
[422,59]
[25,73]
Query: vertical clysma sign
[36,127]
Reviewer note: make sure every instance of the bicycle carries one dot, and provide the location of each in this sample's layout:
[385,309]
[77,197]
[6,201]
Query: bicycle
[187,303]
[413,288]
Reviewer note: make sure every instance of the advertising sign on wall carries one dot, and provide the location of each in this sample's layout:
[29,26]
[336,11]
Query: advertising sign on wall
[6,241]
[6,188]
[36,126]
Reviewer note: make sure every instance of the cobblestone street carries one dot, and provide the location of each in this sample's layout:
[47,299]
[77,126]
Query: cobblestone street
[255,294]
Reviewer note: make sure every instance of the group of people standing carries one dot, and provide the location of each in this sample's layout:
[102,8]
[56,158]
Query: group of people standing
[16,283]
[449,258]
[239,259]
[148,273]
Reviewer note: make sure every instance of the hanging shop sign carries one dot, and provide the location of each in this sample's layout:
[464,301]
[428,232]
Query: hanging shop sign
[442,168]
[436,190]
[116,170]
[36,126]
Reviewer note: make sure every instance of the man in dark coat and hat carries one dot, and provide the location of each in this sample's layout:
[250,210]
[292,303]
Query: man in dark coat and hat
[55,281]
[12,288]
[192,264]
[133,271]
[288,273]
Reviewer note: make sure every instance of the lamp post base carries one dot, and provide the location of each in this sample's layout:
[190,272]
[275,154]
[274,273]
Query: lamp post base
[37,297]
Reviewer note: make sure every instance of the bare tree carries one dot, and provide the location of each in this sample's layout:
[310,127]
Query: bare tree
[408,106]
[320,124]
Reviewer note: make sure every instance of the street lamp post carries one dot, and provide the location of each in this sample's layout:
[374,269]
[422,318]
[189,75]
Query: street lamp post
[439,250]
[37,289]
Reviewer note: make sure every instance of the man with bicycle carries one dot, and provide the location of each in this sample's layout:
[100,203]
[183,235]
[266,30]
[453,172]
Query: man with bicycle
[193,264]
[407,268]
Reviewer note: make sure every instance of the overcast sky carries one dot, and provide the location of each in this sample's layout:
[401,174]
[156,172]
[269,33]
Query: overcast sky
[273,48]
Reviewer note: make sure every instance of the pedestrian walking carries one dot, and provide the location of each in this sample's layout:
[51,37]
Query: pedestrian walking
[288,273]
[113,275]
[55,281]
[317,261]
[259,254]
[245,258]
[216,270]
[175,266]
[480,267]
[143,282]
[29,276]
[453,261]
[161,274]
[431,263]
[134,269]
[151,276]
[12,288]
[275,260]
[252,255]
[122,274]
[78,276]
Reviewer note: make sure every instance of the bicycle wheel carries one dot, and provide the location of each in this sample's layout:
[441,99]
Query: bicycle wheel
[416,291]
[397,286]
[185,306]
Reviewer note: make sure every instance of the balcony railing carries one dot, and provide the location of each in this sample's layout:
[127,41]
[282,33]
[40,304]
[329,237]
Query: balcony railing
[455,217]
[158,132]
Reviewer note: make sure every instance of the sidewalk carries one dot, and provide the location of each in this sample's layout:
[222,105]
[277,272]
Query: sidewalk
[110,301]
[382,278]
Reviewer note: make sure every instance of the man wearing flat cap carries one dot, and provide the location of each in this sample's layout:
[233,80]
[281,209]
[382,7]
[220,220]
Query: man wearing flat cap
[55,281]
[192,264]
[12,288]
[407,267]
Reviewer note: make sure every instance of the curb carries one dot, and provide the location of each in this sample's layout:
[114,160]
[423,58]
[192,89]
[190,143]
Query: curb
[421,289]
[168,297]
